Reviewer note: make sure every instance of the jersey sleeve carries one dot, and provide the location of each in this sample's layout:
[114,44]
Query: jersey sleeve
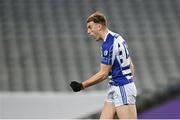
[106,54]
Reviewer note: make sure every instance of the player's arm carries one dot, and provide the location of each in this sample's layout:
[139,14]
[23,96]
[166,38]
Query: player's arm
[98,77]
[105,67]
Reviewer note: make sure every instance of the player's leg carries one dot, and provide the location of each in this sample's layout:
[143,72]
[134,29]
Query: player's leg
[126,111]
[125,101]
[108,110]
[109,107]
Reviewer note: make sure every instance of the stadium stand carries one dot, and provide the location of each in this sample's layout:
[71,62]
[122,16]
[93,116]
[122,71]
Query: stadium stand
[44,44]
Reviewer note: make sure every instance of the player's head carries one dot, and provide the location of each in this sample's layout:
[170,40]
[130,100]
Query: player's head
[96,23]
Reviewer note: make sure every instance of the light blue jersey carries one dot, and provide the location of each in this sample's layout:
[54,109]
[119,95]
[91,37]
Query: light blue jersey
[114,52]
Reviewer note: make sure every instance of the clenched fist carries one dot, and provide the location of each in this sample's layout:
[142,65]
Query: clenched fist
[76,86]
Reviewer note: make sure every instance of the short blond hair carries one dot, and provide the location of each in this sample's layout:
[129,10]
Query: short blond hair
[97,17]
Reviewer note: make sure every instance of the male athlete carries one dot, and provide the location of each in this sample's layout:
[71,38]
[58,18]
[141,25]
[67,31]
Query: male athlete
[115,64]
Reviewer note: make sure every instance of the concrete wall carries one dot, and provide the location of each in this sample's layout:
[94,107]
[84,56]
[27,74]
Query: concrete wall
[50,105]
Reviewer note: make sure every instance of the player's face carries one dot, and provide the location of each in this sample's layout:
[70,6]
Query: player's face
[93,30]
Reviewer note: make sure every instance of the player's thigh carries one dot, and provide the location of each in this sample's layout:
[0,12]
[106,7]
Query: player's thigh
[108,111]
[127,111]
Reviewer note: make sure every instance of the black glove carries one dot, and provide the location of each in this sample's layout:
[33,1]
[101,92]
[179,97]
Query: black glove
[76,86]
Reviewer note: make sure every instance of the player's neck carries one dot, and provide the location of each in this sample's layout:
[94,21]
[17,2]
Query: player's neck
[104,33]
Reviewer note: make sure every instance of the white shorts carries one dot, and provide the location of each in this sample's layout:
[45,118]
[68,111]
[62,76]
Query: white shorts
[122,95]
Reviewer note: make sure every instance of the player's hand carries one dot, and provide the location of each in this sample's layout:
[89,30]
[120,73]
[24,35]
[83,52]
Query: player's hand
[76,86]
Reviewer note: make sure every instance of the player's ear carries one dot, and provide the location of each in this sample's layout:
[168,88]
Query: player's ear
[99,27]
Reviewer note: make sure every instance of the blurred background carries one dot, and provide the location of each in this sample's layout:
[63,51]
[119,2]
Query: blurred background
[44,46]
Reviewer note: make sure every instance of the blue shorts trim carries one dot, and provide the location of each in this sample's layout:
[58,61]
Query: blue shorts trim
[123,94]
